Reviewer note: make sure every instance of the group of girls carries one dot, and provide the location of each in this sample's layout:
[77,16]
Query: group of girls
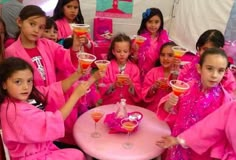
[47,72]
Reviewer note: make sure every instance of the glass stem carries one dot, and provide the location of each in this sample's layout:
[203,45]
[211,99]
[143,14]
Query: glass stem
[95,126]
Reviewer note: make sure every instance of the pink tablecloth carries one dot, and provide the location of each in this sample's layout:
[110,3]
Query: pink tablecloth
[109,146]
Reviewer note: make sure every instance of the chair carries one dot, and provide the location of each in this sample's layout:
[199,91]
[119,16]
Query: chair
[4,147]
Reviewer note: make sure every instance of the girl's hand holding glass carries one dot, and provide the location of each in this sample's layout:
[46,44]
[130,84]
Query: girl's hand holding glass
[171,102]
[82,88]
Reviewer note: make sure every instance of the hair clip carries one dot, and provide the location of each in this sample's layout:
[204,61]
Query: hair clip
[147,13]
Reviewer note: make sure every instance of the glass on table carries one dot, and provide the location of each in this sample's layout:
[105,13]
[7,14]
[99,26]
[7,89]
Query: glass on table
[102,66]
[96,115]
[129,126]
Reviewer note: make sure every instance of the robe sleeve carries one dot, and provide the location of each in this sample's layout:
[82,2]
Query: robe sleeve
[207,132]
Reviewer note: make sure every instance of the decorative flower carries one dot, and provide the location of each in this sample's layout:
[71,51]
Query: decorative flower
[147,13]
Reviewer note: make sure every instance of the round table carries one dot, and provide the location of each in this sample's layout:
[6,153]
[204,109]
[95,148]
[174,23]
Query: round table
[109,146]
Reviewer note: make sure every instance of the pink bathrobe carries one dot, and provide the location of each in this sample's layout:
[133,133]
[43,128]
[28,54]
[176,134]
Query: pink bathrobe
[149,51]
[56,59]
[58,66]
[216,127]
[189,72]
[28,132]
[193,106]
[64,29]
[151,77]
[112,97]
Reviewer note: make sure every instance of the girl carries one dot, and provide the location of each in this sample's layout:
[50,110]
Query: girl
[120,64]
[155,85]
[28,130]
[209,39]
[152,29]
[50,61]
[51,30]
[205,134]
[203,97]
[65,13]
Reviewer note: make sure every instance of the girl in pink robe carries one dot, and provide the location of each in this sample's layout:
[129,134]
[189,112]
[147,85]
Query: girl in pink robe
[50,61]
[67,13]
[216,131]
[63,16]
[28,130]
[151,28]
[204,96]
[209,39]
[130,88]
[155,85]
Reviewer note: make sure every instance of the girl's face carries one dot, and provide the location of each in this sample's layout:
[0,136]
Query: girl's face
[153,25]
[167,57]
[205,47]
[121,51]
[31,29]
[71,10]
[19,85]
[212,70]
[50,34]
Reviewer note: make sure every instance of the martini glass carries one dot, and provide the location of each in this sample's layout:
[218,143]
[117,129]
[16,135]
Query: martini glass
[122,78]
[129,126]
[178,88]
[139,40]
[96,115]
[80,30]
[85,60]
[178,53]
[102,66]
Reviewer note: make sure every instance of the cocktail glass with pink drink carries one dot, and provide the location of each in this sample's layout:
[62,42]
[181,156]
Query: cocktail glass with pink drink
[102,66]
[129,126]
[96,115]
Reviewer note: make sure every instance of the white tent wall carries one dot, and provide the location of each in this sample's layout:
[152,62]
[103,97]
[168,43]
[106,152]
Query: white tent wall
[188,21]
[193,17]
[129,26]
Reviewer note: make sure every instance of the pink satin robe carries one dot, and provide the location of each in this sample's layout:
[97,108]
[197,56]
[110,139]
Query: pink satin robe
[149,51]
[151,77]
[110,78]
[216,127]
[193,106]
[64,29]
[28,132]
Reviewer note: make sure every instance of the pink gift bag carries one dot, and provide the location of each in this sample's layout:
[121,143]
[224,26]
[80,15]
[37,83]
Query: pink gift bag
[102,28]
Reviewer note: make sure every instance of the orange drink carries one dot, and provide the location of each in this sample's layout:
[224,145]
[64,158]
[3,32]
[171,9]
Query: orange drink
[85,60]
[139,40]
[178,87]
[80,29]
[96,116]
[102,64]
[122,78]
[129,125]
[179,51]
